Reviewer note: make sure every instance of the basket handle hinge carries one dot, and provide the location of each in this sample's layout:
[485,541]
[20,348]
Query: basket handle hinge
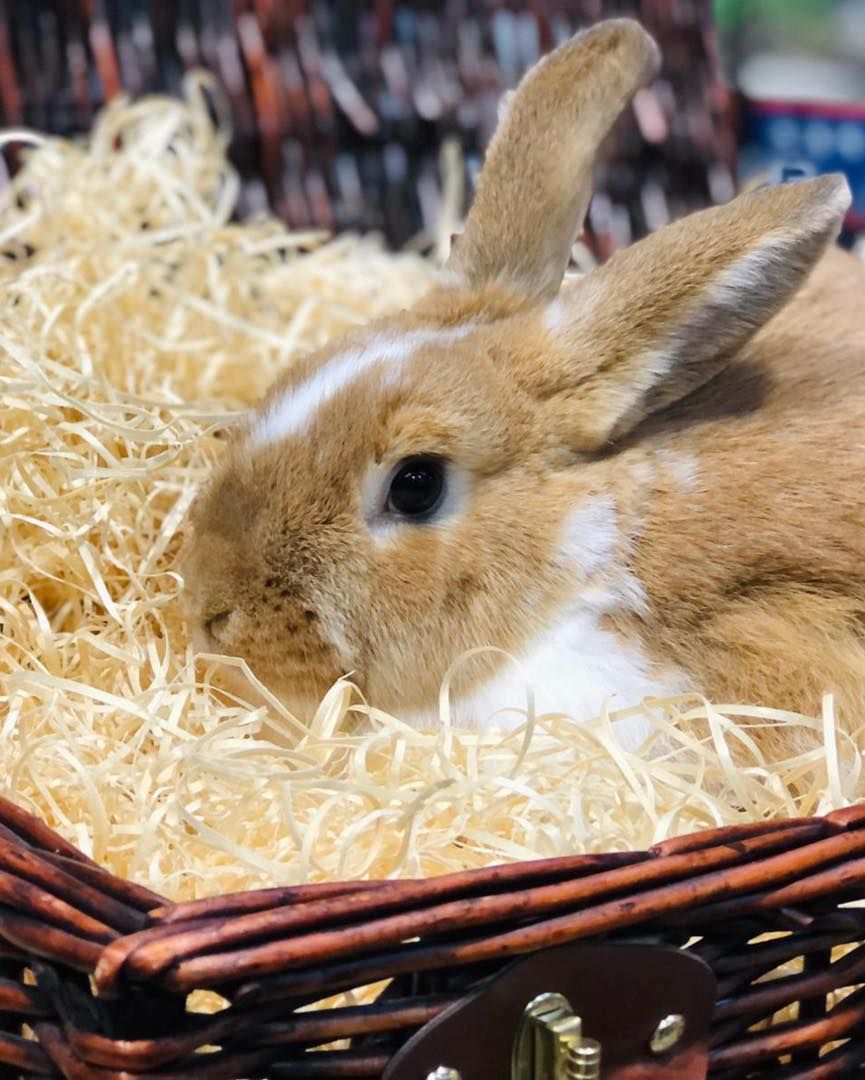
[550,1045]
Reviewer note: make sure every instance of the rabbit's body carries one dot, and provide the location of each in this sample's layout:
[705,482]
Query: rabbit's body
[755,566]
[642,482]
[728,553]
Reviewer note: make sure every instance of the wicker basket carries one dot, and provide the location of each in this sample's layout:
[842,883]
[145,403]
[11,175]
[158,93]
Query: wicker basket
[95,972]
[340,107]
[99,969]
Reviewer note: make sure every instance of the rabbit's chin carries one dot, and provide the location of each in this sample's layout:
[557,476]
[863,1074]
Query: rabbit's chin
[288,703]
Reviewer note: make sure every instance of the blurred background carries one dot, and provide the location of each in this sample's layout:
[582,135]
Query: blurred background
[373,114]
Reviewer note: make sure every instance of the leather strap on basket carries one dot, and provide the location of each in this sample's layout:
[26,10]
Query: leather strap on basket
[621,993]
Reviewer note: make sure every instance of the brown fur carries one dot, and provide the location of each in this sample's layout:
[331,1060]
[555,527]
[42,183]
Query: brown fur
[693,380]
[757,577]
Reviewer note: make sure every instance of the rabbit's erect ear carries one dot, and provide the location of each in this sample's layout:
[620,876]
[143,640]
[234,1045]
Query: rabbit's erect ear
[535,185]
[665,315]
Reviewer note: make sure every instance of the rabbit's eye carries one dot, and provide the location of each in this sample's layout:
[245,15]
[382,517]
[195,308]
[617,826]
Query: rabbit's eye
[417,486]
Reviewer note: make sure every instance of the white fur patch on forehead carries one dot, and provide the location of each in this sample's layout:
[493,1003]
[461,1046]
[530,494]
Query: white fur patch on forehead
[292,413]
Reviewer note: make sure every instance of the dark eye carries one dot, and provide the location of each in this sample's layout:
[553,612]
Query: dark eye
[417,486]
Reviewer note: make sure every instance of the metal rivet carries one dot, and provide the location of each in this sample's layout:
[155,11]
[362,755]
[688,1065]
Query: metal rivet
[668,1032]
[444,1072]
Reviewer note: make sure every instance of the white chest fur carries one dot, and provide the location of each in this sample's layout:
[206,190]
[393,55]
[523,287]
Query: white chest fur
[577,666]
[575,669]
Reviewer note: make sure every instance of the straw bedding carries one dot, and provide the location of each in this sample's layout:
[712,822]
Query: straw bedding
[135,321]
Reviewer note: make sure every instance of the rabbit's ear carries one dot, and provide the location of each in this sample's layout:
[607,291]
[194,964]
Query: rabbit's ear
[535,184]
[665,315]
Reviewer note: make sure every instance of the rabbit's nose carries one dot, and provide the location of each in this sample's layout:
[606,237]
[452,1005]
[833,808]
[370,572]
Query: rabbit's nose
[215,625]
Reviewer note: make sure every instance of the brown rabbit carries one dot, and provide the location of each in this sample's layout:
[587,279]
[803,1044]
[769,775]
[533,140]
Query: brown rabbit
[646,480]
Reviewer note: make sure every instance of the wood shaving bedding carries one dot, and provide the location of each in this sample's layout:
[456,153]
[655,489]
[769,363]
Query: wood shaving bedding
[136,320]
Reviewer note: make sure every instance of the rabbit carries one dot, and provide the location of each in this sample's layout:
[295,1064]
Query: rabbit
[642,481]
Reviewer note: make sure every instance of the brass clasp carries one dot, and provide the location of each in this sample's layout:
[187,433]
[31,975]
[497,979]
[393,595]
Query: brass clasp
[549,1043]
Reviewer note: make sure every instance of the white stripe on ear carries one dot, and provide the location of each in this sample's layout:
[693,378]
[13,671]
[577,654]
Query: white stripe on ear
[505,102]
[294,411]
[665,315]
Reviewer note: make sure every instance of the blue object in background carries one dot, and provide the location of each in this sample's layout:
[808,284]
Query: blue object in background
[808,138]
